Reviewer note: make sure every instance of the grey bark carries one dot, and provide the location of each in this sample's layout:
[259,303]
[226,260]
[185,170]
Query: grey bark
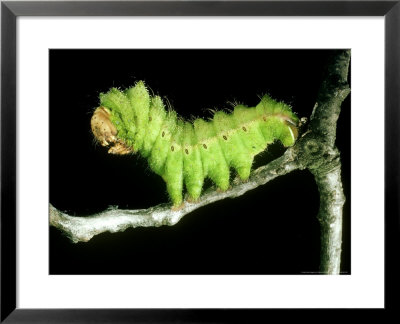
[315,150]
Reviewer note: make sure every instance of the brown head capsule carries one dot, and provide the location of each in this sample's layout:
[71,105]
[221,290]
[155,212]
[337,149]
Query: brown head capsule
[106,133]
[102,127]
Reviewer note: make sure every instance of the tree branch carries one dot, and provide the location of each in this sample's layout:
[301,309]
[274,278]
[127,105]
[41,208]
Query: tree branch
[315,150]
[327,168]
[116,220]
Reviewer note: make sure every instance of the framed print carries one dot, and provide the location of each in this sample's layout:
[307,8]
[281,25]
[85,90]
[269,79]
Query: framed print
[120,118]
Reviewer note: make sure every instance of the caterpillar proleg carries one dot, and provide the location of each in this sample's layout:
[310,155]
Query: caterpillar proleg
[184,153]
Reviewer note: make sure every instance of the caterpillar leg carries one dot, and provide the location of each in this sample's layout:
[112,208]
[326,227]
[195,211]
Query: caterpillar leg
[220,177]
[215,164]
[193,173]
[174,176]
[194,190]
[244,172]
[174,189]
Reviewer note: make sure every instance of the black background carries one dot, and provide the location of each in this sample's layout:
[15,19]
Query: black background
[270,230]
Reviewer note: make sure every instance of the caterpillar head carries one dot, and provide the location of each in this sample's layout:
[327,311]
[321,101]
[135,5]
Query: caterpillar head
[106,133]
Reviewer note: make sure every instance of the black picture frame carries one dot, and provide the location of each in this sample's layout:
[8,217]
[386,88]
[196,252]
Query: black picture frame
[10,10]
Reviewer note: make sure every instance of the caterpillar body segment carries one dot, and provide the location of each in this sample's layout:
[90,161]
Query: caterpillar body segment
[139,97]
[156,118]
[193,172]
[185,153]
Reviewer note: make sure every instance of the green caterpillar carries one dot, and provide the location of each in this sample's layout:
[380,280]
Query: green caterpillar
[185,153]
